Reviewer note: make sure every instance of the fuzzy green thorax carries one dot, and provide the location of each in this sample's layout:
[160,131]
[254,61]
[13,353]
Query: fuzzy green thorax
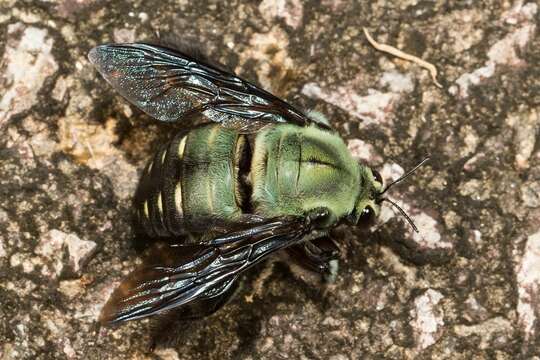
[297,169]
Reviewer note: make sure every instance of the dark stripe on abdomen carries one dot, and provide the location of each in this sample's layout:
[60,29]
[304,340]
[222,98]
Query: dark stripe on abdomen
[159,198]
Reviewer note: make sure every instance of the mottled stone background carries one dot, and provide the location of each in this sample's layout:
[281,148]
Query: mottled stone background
[467,287]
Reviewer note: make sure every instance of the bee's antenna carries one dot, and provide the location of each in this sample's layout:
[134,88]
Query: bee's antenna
[409,220]
[403,177]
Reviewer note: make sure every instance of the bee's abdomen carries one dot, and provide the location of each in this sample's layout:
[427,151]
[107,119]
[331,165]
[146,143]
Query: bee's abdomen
[190,182]
[159,197]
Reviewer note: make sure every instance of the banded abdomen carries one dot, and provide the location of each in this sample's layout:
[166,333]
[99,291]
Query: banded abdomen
[192,182]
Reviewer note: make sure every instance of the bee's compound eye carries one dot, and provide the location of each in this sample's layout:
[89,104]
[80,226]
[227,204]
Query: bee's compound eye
[377,176]
[367,216]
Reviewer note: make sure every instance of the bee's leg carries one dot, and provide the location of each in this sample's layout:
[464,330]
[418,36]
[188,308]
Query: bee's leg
[320,255]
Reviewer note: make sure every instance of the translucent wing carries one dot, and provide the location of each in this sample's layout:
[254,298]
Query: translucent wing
[168,85]
[196,272]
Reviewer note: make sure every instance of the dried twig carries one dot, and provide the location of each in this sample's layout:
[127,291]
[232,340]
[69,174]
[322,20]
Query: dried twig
[400,54]
[89,147]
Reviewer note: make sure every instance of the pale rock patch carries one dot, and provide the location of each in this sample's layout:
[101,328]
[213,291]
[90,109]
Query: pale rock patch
[428,236]
[292,11]
[488,330]
[28,63]
[363,151]
[520,13]
[60,88]
[463,30]
[51,249]
[526,127]
[68,349]
[124,35]
[528,281]
[503,52]
[428,318]
[374,108]
[530,194]
[93,145]
[397,82]
[3,252]
[79,251]
[271,69]
[167,354]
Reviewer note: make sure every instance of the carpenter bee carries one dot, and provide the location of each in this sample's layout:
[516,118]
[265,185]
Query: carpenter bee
[251,175]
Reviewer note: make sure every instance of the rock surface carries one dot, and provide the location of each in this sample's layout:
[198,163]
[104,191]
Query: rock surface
[467,286]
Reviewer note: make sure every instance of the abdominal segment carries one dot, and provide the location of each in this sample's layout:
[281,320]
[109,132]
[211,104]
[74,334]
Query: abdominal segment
[196,180]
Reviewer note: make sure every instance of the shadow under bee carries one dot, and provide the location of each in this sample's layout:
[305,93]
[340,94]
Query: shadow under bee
[194,325]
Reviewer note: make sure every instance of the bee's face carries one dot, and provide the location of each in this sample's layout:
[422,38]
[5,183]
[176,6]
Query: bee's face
[368,207]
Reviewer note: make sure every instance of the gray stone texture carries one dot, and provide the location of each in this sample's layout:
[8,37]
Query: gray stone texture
[467,286]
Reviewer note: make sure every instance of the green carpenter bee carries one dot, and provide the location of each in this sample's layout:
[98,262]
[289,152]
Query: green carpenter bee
[251,175]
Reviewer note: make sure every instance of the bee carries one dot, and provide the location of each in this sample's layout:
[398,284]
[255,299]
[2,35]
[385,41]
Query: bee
[252,175]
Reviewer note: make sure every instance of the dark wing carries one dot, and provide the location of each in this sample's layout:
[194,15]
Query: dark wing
[168,85]
[197,272]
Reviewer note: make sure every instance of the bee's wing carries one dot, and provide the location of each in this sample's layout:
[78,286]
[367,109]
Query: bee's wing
[168,85]
[196,272]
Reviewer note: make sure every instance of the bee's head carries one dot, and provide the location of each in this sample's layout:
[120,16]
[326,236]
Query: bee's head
[368,205]
[372,189]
